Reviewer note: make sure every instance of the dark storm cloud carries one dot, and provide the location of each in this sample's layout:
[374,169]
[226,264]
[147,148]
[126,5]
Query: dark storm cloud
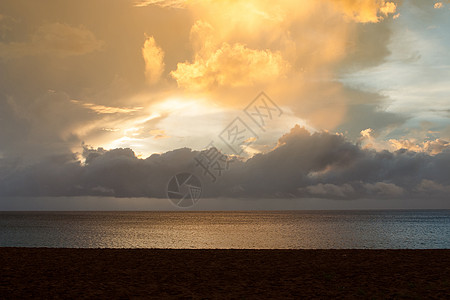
[321,165]
[327,165]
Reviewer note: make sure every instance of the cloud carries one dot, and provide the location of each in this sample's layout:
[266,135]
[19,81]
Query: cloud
[304,164]
[329,190]
[361,11]
[227,51]
[158,134]
[384,189]
[222,51]
[371,140]
[162,3]
[154,60]
[328,165]
[36,127]
[230,66]
[354,190]
[57,39]
[428,186]
[288,50]
[102,109]
[366,11]
[432,147]
[220,64]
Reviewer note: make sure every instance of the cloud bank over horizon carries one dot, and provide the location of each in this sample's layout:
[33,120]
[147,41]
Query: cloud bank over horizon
[302,165]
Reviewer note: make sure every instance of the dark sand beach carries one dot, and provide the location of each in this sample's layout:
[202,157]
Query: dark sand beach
[153,273]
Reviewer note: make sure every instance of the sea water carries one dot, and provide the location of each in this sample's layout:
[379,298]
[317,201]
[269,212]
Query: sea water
[390,229]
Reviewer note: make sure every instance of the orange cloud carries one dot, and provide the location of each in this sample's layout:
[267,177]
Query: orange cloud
[432,147]
[102,109]
[363,11]
[163,3]
[158,134]
[366,11]
[230,65]
[154,60]
[219,63]
[293,50]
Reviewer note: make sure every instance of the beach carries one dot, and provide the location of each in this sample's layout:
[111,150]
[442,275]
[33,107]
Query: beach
[178,273]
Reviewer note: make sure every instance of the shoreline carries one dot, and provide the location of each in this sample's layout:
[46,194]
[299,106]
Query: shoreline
[223,273]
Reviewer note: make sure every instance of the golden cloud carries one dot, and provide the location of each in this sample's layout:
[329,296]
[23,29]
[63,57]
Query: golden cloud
[154,60]
[162,3]
[432,147]
[363,11]
[291,49]
[218,63]
[158,134]
[102,109]
[366,11]
[230,65]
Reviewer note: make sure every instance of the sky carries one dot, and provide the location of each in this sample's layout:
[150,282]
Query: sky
[332,103]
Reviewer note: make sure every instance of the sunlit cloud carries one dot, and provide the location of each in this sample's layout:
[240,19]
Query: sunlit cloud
[360,11]
[230,65]
[368,11]
[154,60]
[432,147]
[163,3]
[158,134]
[102,109]
[371,140]
[241,46]
[219,63]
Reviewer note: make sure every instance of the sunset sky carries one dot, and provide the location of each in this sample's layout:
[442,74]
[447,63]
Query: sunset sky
[113,98]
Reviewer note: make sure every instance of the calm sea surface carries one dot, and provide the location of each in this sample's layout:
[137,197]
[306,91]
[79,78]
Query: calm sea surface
[287,229]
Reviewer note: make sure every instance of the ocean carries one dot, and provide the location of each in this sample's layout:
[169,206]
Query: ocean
[387,229]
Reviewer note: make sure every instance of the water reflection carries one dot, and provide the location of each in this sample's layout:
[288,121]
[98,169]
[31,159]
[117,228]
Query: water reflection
[281,230]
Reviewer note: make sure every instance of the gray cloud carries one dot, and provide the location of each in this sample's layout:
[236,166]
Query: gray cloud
[320,165]
[35,127]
